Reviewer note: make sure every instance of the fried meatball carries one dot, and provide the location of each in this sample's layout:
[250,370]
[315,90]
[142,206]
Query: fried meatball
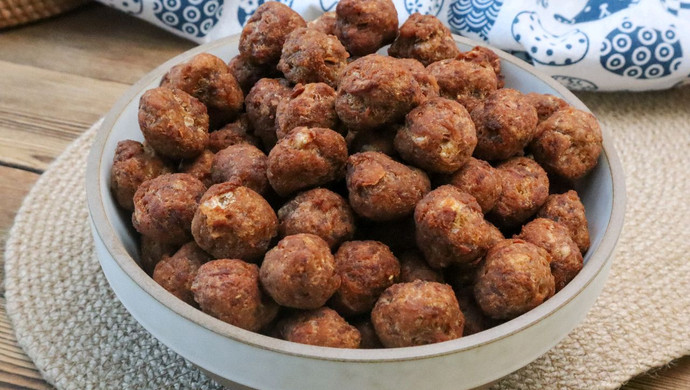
[364,26]
[427,81]
[265,33]
[310,105]
[176,273]
[262,103]
[369,338]
[247,74]
[174,123]
[310,56]
[464,81]
[242,164]
[320,212]
[475,320]
[164,207]
[374,91]
[306,157]
[324,23]
[417,313]
[566,259]
[424,38]
[438,136]
[545,104]
[525,189]
[461,276]
[228,289]
[514,279]
[133,164]
[480,180]
[200,167]
[152,251]
[380,140]
[238,132]
[234,222]
[383,189]
[366,268]
[568,210]
[483,56]
[568,143]
[322,327]
[414,267]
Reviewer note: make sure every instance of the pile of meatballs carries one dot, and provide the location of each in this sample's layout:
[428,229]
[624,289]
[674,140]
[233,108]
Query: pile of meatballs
[315,191]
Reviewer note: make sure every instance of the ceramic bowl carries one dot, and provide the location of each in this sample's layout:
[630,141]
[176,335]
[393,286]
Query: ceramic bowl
[238,358]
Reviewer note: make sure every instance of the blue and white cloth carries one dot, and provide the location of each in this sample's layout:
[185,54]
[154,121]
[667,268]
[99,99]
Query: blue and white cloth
[600,45]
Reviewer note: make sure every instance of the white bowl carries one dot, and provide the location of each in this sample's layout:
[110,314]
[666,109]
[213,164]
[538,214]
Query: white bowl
[236,356]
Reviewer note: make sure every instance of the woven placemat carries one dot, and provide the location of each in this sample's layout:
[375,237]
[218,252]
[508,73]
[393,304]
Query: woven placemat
[72,326]
[16,12]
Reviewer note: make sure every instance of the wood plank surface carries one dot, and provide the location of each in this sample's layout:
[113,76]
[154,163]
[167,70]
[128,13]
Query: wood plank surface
[58,77]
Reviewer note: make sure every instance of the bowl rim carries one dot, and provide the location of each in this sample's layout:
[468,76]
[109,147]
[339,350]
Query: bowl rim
[105,231]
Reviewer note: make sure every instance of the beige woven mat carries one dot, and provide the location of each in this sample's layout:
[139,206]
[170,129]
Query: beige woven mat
[78,334]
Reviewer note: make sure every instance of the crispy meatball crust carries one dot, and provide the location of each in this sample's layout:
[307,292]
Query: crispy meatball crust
[237,132]
[242,164]
[176,273]
[133,164]
[465,81]
[427,81]
[265,33]
[424,38]
[310,56]
[262,104]
[322,327]
[364,26]
[200,167]
[310,105]
[324,23]
[525,189]
[247,74]
[568,210]
[480,180]
[414,267]
[545,104]
[483,56]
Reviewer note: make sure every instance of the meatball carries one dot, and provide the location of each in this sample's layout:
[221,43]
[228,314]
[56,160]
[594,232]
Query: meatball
[364,26]
[417,313]
[414,267]
[466,82]
[380,140]
[152,251]
[265,33]
[369,338]
[234,222]
[306,157]
[475,320]
[238,132]
[228,289]
[480,180]
[174,123]
[525,189]
[366,268]
[506,122]
[177,273]
[133,164]
[164,207]
[322,327]
[545,104]
[427,81]
[514,279]
[242,164]
[310,105]
[424,38]
[300,272]
[383,189]
[566,259]
[484,56]
[568,143]
[320,212]
[568,210]
[262,103]
[450,227]
[200,167]
[310,56]
[376,90]
[324,23]
[247,74]
[438,136]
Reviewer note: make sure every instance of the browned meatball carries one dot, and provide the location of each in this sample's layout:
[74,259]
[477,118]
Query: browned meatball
[438,136]
[234,222]
[480,180]
[300,272]
[176,273]
[228,289]
[324,23]
[417,313]
[310,56]
[200,167]
[464,81]
[380,140]
[238,132]
[525,189]
[568,143]
[545,104]
[566,259]
[450,227]
[306,157]
[174,123]
[381,188]
[152,251]
[266,31]
[484,56]
[320,212]
[506,122]
[310,105]
[427,81]
[242,164]
[514,279]
[568,210]
[475,320]
[322,327]
[366,268]
[364,26]
[208,78]
[133,164]
[369,338]
[425,38]
[462,275]
[414,267]
[247,74]
[164,207]
[262,103]
[376,90]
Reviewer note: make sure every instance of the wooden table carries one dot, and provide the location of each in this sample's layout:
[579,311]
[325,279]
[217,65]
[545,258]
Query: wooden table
[57,78]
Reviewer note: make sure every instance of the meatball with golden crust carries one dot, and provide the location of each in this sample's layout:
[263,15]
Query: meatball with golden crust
[525,189]
[234,222]
[514,279]
[199,167]
[322,327]
[324,23]
[545,104]
[414,267]
[262,104]
[177,272]
[242,164]
[480,180]
[265,33]
[427,81]
[369,338]
[417,313]
[237,132]
[133,164]
[310,105]
[310,56]
[229,290]
[424,38]
[465,81]
[152,251]
[364,26]
[247,74]
[483,55]
[568,210]
[174,123]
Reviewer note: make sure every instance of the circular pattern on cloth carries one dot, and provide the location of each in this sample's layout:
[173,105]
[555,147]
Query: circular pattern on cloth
[72,326]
